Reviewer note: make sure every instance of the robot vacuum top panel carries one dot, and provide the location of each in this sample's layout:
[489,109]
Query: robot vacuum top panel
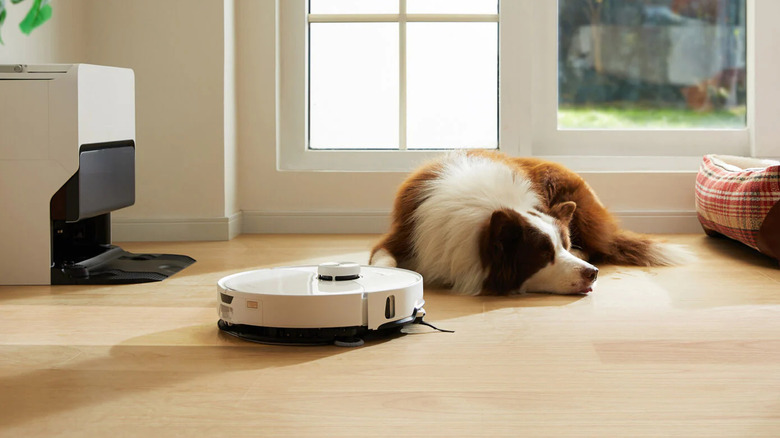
[325,279]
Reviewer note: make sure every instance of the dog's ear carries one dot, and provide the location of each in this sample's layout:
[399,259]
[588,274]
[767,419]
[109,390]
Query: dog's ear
[501,233]
[563,211]
[505,226]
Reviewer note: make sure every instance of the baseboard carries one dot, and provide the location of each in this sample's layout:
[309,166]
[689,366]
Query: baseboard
[235,224]
[660,222]
[256,222]
[192,229]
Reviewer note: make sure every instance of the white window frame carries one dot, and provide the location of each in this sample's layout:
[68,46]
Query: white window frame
[528,104]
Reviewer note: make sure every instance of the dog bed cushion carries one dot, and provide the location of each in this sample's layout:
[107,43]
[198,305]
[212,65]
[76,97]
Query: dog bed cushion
[738,197]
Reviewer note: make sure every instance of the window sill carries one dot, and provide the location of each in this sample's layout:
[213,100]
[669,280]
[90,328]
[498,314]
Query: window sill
[387,161]
[627,164]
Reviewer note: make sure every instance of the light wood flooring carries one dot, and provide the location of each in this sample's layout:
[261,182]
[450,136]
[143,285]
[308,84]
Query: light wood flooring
[689,351]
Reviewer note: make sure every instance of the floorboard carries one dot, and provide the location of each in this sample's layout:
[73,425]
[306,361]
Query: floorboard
[691,351]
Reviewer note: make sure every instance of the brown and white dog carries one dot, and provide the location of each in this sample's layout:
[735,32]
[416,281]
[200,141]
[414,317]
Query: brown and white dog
[483,222]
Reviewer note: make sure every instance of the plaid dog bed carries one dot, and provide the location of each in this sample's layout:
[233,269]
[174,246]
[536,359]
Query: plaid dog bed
[734,197]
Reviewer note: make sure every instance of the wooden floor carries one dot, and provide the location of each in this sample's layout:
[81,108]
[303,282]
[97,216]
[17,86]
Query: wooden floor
[690,351]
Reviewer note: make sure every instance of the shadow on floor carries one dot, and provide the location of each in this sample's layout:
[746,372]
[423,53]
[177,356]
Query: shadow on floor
[78,376]
[739,252]
[442,304]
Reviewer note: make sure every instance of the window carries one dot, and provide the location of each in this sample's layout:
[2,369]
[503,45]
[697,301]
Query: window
[408,74]
[386,82]
[534,101]
[677,64]
[594,147]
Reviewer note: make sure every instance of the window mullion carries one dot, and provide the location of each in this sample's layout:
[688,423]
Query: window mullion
[352,18]
[409,18]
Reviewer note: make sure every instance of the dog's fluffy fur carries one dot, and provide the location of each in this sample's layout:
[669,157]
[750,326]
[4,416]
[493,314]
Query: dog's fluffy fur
[483,222]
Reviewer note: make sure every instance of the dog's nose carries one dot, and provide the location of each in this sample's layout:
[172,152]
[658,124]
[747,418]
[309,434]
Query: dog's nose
[590,274]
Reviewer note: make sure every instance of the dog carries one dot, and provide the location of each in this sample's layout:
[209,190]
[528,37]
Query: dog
[482,222]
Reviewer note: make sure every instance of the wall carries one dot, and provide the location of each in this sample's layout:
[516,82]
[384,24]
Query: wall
[286,201]
[176,49]
[60,40]
[206,106]
[230,117]
[275,200]
[185,102]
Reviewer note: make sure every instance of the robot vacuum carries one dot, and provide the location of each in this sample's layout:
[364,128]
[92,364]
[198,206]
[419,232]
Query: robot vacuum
[337,303]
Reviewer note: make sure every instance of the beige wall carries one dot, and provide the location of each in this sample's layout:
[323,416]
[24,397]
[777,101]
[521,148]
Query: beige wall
[61,40]
[206,109]
[230,116]
[263,188]
[177,50]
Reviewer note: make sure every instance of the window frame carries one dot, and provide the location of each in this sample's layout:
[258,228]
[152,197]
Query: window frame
[528,104]
[292,150]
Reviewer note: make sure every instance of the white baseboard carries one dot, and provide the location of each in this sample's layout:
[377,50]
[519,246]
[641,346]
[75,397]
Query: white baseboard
[660,222]
[257,222]
[159,230]
[235,224]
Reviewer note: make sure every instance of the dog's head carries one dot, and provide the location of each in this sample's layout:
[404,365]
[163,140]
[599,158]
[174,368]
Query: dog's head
[529,252]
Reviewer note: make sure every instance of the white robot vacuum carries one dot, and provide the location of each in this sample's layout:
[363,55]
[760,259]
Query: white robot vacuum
[330,303]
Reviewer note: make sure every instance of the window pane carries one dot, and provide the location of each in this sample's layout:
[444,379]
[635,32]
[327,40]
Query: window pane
[452,6]
[353,85]
[651,64]
[452,77]
[353,6]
